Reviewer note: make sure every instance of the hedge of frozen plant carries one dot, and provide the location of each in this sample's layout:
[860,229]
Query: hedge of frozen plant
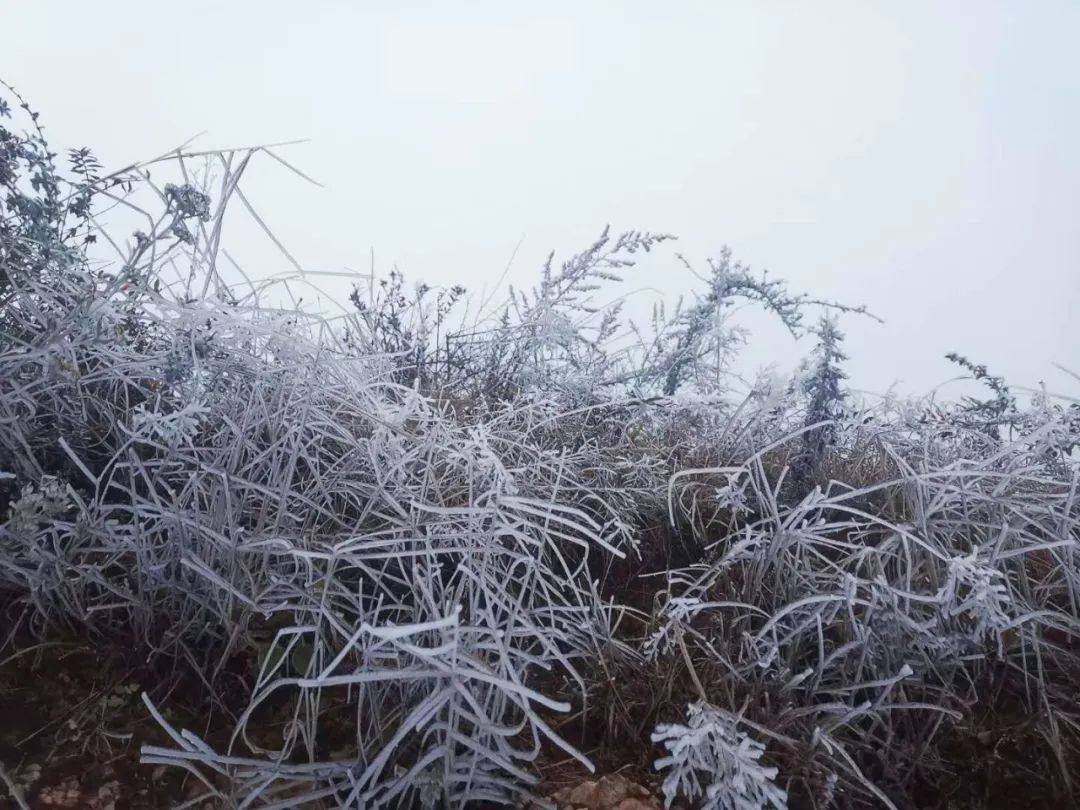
[411,516]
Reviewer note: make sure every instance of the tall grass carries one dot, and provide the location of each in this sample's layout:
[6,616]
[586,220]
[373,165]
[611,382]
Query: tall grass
[433,531]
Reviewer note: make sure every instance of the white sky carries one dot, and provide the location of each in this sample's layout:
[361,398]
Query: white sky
[919,157]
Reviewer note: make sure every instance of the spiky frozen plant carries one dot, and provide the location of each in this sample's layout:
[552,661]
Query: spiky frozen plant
[415,527]
[673,615]
[174,427]
[825,402]
[714,763]
[38,506]
[977,593]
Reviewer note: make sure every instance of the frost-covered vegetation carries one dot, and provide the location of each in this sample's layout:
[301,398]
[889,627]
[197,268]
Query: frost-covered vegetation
[482,544]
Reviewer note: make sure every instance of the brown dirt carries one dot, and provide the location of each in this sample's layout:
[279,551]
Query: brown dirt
[73,723]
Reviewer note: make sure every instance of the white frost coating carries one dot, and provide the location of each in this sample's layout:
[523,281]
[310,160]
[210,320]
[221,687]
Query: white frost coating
[715,764]
[425,529]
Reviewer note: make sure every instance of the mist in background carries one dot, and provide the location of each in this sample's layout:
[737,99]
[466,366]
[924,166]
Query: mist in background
[920,158]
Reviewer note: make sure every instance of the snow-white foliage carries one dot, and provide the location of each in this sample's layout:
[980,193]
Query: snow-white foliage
[277,495]
[715,764]
[826,600]
[431,529]
[977,592]
[673,616]
[180,426]
[38,506]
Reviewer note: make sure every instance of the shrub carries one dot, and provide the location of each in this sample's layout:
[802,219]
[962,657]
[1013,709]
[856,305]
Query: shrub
[436,533]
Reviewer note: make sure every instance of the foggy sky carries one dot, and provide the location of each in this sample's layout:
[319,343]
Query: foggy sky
[920,157]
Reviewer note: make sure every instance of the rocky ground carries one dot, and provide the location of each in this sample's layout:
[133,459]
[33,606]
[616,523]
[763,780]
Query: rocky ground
[72,724]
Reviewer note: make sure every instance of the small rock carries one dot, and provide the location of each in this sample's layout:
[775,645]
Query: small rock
[580,795]
[66,794]
[614,789]
[613,792]
[106,796]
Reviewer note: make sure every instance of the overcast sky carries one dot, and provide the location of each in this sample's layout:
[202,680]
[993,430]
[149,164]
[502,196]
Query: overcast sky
[920,157]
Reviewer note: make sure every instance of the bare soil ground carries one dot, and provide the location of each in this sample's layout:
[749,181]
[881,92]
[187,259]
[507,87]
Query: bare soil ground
[72,723]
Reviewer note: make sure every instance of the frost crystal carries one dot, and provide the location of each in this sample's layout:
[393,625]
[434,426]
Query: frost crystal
[977,591]
[38,505]
[732,496]
[675,613]
[711,748]
[178,427]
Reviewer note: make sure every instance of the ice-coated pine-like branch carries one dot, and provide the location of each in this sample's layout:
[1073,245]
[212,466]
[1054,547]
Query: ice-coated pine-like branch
[715,764]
